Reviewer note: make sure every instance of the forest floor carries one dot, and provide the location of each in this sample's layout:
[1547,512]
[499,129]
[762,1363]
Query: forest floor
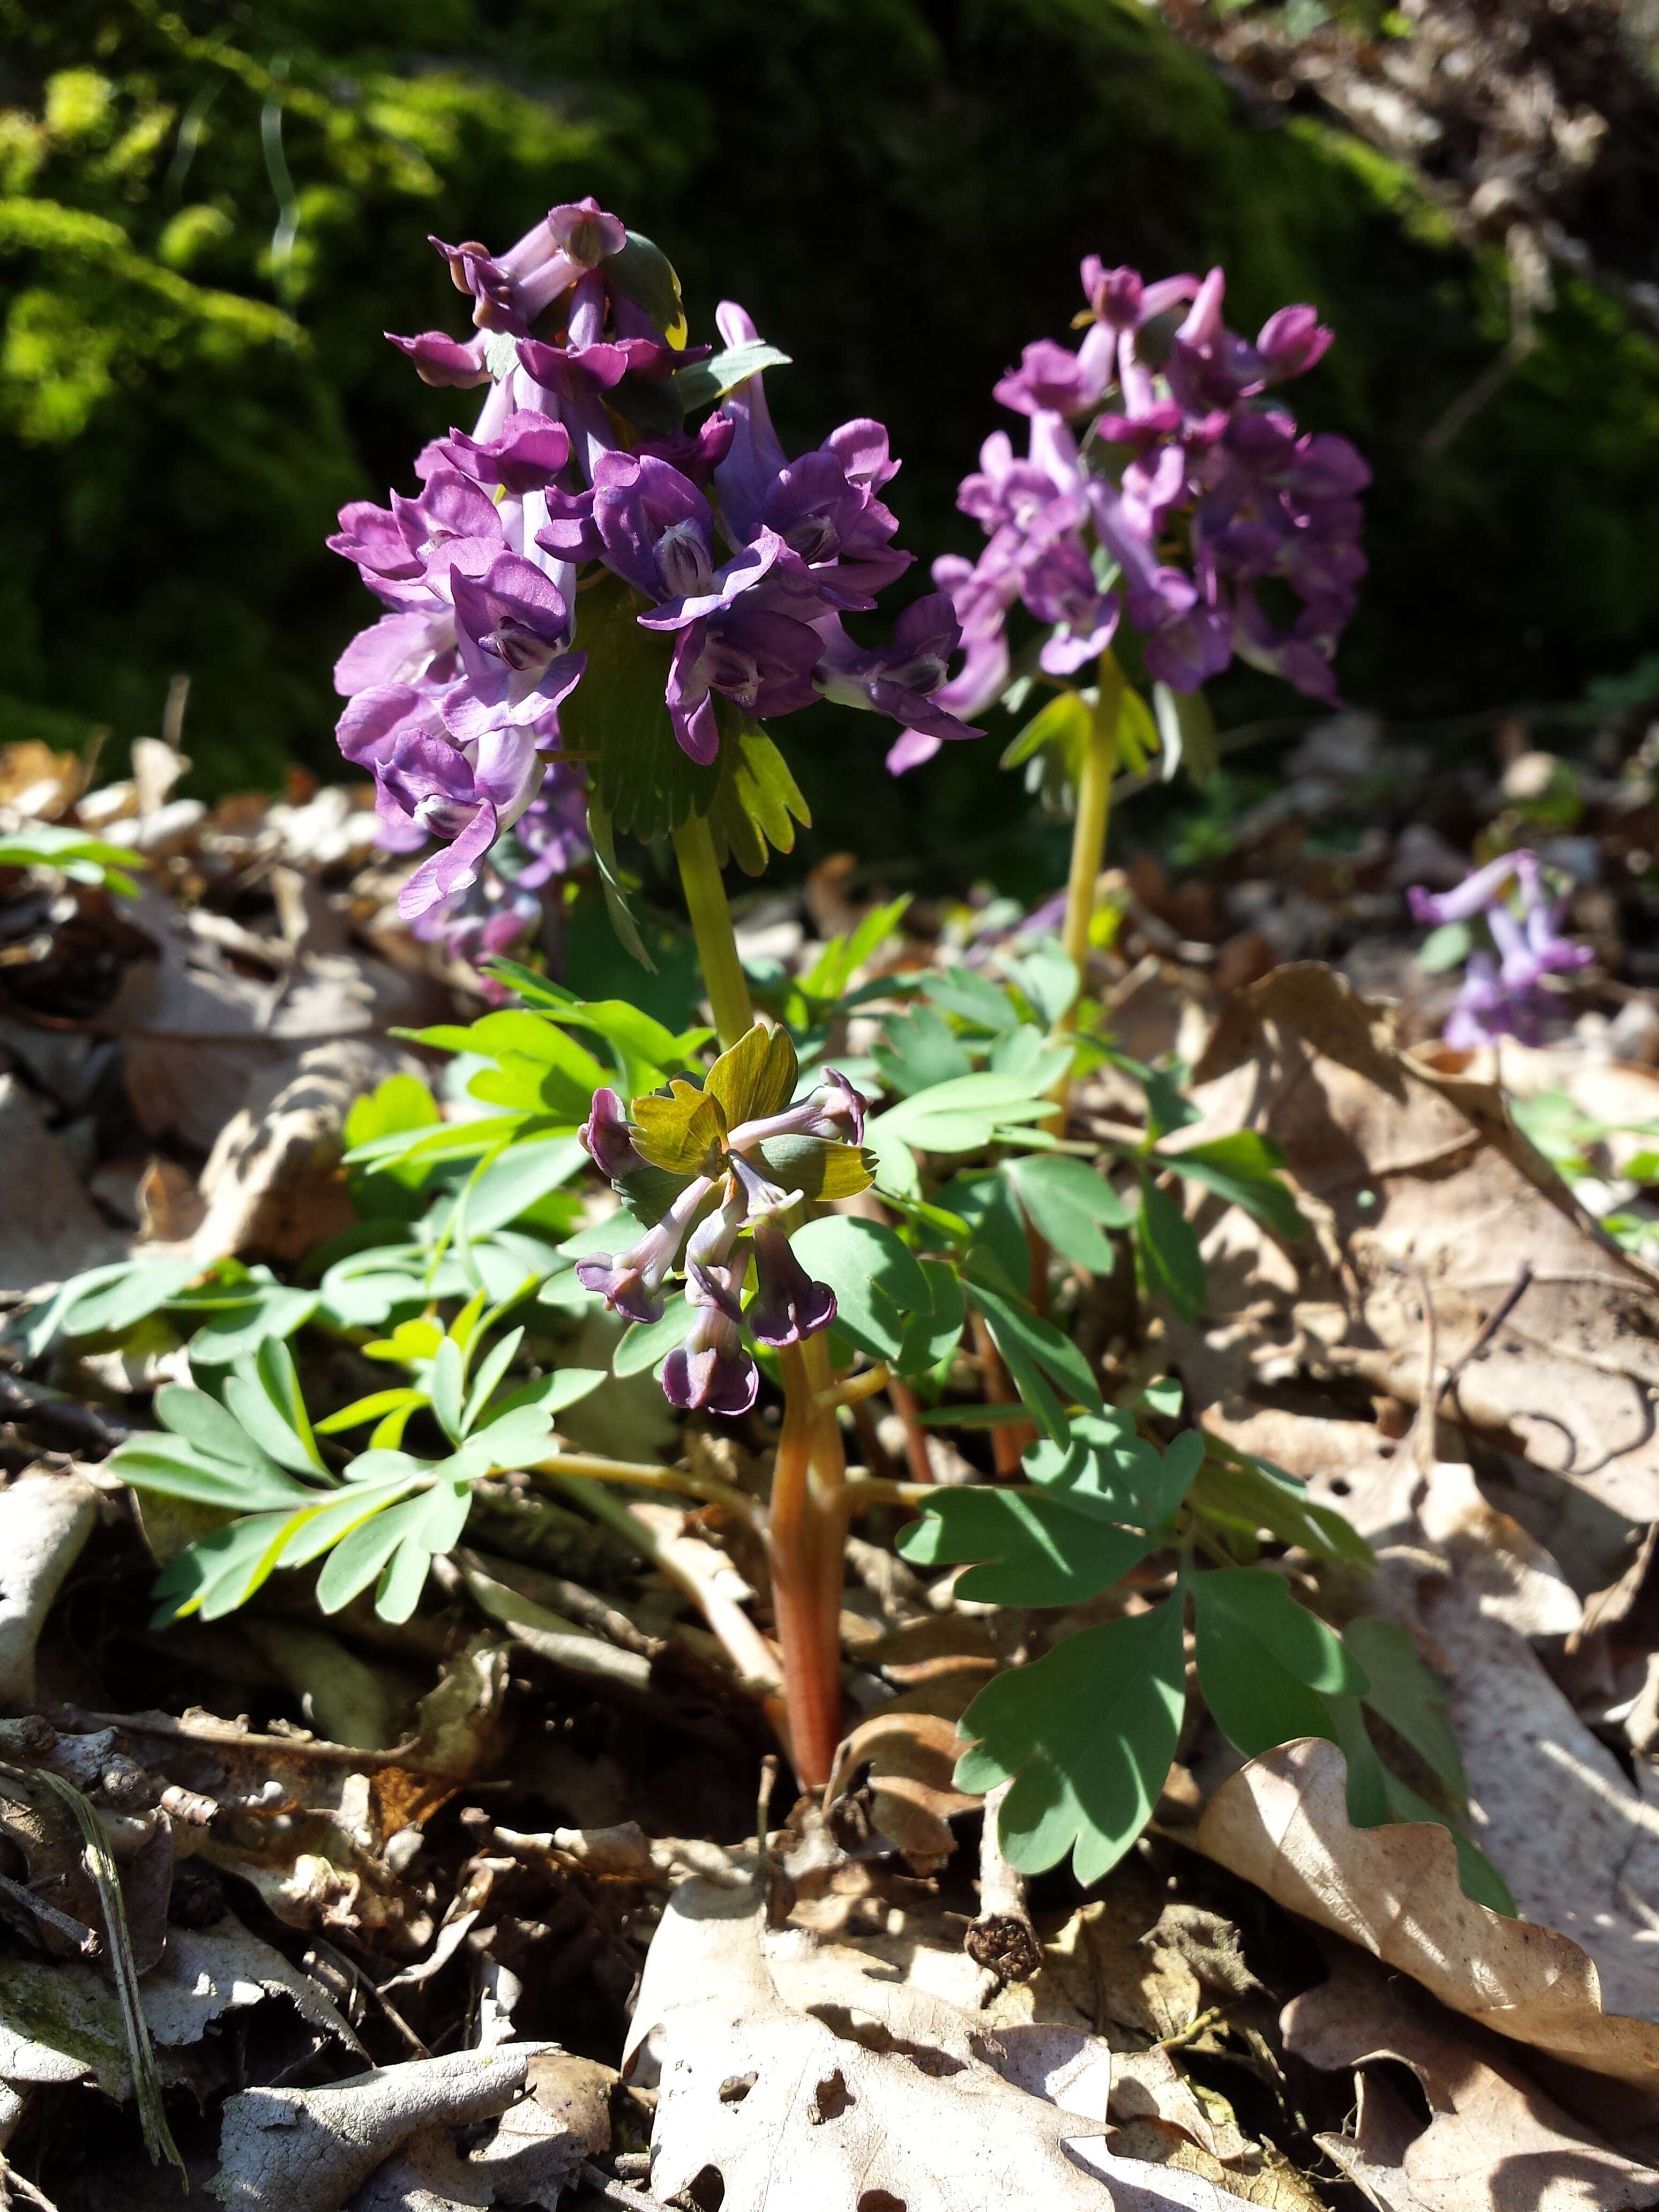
[509,1904]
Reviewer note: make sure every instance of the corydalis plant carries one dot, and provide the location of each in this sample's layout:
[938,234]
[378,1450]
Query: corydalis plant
[738,561]
[715,1173]
[1162,486]
[1503,992]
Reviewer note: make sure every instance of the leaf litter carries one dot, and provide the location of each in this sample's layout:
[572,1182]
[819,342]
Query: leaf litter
[460,1910]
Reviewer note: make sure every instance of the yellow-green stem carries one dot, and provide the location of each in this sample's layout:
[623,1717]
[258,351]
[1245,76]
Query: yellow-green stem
[711,926]
[1094,809]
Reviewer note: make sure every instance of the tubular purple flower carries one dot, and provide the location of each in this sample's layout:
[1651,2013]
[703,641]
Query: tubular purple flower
[788,1306]
[755,460]
[605,1137]
[711,1372]
[629,1285]
[1478,892]
[833,1109]
[899,679]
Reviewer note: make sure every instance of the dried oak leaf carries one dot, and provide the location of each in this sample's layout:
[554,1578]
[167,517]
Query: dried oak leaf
[812,2098]
[1494,2141]
[1414,1179]
[1282,1822]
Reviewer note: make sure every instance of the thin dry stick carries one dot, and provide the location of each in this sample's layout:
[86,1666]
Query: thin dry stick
[1001,1940]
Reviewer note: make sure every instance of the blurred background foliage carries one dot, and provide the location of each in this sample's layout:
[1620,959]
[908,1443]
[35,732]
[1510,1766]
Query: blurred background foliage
[211,212]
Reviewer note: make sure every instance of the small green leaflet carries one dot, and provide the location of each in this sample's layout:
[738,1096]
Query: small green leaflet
[919,1051]
[1404,1694]
[963,1115]
[1039,1358]
[1069,1203]
[1375,1795]
[1240,1495]
[1187,728]
[758,805]
[702,382]
[1266,1664]
[83,858]
[1167,1250]
[1243,1168]
[1089,1732]
[1067,1540]
[1032,1549]
[878,1284]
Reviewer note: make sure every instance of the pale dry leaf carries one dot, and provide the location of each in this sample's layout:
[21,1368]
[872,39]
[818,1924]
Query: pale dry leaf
[1282,1822]
[1415,1180]
[1588,1867]
[1494,2141]
[911,1757]
[787,2106]
[49,1228]
[308,2150]
[45,1519]
[62,2023]
[273,1184]
[200,1037]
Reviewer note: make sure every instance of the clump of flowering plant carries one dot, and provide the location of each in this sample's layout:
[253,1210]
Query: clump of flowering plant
[1503,992]
[1163,485]
[591,604]
[727,567]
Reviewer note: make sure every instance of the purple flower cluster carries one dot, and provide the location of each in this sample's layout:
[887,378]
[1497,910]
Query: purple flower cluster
[744,560]
[713,1223]
[1163,486]
[1503,992]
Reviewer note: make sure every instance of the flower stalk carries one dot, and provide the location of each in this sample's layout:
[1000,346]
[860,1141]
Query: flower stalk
[1094,809]
[711,926]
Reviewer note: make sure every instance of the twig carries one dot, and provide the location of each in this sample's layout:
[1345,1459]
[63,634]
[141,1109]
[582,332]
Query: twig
[84,1939]
[1488,1328]
[1001,1940]
[754,1658]
[354,1973]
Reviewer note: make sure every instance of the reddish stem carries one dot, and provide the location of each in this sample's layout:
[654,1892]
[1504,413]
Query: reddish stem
[806,1537]
[1008,1442]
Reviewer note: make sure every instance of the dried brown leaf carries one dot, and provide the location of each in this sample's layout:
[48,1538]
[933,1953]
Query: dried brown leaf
[1282,1823]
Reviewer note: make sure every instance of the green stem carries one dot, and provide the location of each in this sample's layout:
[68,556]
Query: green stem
[1094,808]
[711,926]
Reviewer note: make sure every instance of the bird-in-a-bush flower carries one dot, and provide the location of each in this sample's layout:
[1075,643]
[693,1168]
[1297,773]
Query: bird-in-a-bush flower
[1166,487]
[708,1176]
[1504,993]
[742,559]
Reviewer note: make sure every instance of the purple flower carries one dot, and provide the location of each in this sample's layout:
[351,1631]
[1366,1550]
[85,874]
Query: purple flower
[514,893]
[1195,487]
[513,627]
[833,1109]
[1052,379]
[465,797]
[526,455]
[605,1137]
[899,679]
[762,660]
[712,1372]
[630,1285]
[1503,996]
[1059,588]
[788,1305]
